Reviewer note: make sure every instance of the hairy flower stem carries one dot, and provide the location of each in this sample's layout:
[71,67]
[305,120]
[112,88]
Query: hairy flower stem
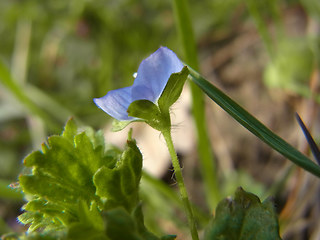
[182,187]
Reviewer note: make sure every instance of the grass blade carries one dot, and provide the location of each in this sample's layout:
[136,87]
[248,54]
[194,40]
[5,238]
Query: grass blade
[254,125]
[313,146]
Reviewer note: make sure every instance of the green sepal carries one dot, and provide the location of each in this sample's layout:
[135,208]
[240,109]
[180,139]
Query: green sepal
[244,218]
[150,113]
[173,89]
[120,185]
[118,125]
[143,109]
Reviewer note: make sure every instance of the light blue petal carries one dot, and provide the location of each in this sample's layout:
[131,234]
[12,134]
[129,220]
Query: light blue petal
[153,74]
[116,103]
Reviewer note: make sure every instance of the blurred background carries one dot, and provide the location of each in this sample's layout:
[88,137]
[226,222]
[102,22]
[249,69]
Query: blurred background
[56,56]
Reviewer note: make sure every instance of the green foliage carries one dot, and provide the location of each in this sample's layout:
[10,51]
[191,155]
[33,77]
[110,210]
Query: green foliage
[77,189]
[121,225]
[313,8]
[120,185]
[291,67]
[244,218]
[85,48]
[35,236]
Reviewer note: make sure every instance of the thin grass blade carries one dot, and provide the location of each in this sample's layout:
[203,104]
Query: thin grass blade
[254,125]
[313,146]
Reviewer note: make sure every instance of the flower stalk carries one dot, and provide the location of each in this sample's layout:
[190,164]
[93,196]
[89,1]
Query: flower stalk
[182,188]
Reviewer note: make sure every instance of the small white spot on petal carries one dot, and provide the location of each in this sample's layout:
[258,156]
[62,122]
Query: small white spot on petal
[135,75]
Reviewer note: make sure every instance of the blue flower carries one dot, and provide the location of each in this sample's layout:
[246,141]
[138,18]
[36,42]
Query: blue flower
[152,77]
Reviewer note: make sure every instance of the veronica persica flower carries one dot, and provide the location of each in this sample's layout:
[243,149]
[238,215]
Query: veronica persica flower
[158,84]
[152,77]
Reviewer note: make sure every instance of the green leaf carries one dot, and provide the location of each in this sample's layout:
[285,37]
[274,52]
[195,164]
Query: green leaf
[62,177]
[41,213]
[244,218]
[90,226]
[173,89]
[90,216]
[70,130]
[10,236]
[120,225]
[168,237]
[150,113]
[254,126]
[139,220]
[80,231]
[36,236]
[120,185]
[75,188]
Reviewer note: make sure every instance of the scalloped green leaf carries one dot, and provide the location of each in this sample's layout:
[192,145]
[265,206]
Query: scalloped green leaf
[70,129]
[74,187]
[36,236]
[62,176]
[121,225]
[120,185]
[244,218]
[91,225]
[139,220]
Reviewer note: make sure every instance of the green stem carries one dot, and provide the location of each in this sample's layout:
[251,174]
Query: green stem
[207,163]
[182,187]
[254,8]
